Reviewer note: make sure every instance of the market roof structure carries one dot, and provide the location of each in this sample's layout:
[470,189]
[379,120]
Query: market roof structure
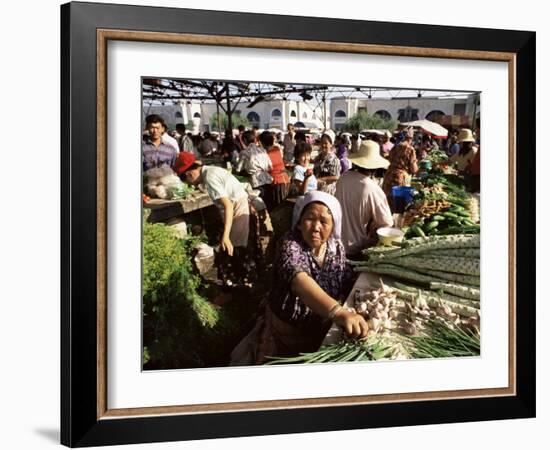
[229,94]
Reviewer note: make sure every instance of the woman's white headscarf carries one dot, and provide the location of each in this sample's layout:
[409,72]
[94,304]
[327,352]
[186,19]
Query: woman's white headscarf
[330,202]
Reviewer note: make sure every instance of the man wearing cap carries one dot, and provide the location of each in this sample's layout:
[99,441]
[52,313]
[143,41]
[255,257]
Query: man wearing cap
[156,152]
[232,200]
[364,204]
[227,194]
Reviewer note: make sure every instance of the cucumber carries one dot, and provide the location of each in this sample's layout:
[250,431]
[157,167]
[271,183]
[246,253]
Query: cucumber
[450,215]
[438,217]
[463,213]
[418,231]
[457,202]
[431,225]
[455,208]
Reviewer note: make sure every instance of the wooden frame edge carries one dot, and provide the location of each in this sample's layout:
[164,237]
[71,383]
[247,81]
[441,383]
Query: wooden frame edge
[103,35]
[289,44]
[101,223]
[512,146]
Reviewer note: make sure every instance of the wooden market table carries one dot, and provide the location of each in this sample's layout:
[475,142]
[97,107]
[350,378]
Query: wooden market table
[163,210]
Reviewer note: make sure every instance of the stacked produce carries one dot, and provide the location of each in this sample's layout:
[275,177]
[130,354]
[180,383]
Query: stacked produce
[437,156]
[444,270]
[437,280]
[381,310]
[163,183]
[402,324]
[441,206]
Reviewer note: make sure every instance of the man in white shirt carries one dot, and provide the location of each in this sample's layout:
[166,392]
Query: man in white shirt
[235,260]
[364,205]
[226,192]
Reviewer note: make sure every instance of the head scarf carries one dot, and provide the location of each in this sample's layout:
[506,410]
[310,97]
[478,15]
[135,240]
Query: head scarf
[341,151]
[331,203]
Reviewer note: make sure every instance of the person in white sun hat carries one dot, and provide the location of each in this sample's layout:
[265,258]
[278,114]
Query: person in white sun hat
[364,204]
[467,152]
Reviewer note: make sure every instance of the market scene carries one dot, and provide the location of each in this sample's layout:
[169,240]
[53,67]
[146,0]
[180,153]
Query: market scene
[293,223]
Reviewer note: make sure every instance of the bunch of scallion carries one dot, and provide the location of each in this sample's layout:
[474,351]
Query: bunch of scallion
[443,339]
[368,349]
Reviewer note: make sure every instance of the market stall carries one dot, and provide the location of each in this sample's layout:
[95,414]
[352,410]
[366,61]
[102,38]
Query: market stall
[419,295]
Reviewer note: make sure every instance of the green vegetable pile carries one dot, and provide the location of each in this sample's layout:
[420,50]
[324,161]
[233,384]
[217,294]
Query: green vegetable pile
[443,339]
[369,349]
[181,329]
[182,191]
[442,207]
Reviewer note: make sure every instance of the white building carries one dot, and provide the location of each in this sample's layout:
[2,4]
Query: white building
[266,114]
[446,111]
[278,113]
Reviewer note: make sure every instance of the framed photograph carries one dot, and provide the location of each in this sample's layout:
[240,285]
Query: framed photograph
[158,295]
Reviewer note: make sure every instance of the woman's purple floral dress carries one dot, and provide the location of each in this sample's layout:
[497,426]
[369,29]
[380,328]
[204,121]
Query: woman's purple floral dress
[294,256]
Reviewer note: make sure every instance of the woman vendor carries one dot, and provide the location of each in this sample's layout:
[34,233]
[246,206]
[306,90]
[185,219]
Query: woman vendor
[403,165]
[227,193]
[467,152]
[311,279]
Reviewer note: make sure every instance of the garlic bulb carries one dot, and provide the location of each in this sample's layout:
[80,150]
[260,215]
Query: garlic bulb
[409,328]
[374,324]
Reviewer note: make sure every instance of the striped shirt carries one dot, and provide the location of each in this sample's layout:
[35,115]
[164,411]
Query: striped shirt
[327,165]
[153,156]
[255,162]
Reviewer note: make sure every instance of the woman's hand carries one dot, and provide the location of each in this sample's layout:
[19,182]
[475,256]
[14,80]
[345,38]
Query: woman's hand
[226,245]
[352,323]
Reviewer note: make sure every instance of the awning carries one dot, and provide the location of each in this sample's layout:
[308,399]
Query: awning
[428,127]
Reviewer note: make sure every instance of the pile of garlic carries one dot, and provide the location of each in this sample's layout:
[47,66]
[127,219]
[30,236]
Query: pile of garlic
[383,311]
[379,308]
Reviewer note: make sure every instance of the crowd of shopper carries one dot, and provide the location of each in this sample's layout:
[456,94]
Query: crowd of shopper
[341,187]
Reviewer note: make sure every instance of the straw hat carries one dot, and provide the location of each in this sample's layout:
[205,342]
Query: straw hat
[368,156]
[465,135]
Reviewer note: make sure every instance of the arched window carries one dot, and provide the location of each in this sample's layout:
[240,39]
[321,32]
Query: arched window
[407,114]
[196,115]
[253,118]
[178,115]
[304,115]
[340,113]
[292,113]
[435,115]
[383,114]
[276,113]
[300,125]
